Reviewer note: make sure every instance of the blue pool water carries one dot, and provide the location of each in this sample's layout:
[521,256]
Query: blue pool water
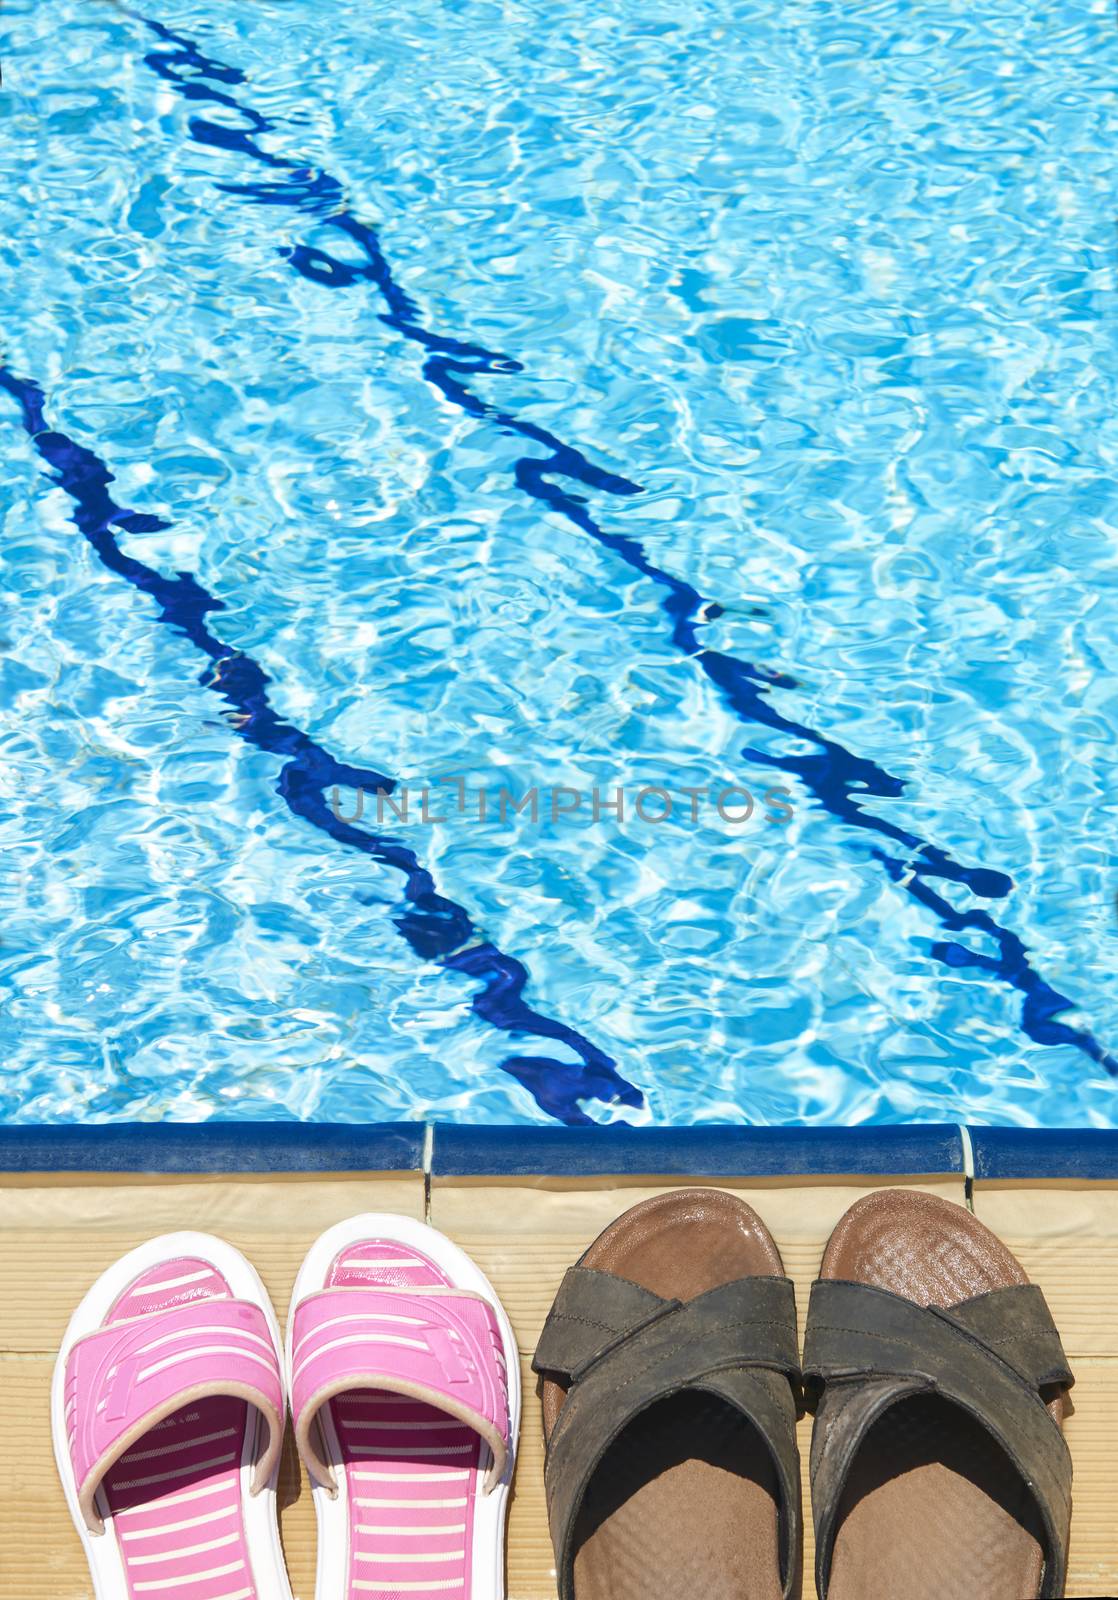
[666,402]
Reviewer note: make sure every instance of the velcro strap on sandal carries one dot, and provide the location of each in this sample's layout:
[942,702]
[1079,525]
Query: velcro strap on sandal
[440,1346]
[125,1378]
[866,1349]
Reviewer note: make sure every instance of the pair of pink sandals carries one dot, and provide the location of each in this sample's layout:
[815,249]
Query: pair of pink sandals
[401,1370]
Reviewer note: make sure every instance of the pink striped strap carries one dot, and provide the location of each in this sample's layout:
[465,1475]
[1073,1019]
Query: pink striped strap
[439,1346]
[125,1378]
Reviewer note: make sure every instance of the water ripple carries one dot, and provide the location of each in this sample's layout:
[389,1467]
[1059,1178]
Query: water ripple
[435,928]
[833,288]
[833,774]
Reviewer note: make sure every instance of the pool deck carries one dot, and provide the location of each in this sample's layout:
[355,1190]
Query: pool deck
[525,1203]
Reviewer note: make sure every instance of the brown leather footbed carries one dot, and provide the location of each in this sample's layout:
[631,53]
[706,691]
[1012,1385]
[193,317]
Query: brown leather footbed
[932,1509]
[685,1503]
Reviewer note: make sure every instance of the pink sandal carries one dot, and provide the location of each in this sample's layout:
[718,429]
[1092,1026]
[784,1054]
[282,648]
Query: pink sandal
[405,1392]
[167,1412]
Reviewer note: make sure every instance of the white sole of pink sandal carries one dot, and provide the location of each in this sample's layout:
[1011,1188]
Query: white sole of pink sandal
[180,1521]
[412,1518]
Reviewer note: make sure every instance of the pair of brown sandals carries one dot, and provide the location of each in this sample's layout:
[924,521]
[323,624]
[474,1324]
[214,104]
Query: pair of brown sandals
[671,1385]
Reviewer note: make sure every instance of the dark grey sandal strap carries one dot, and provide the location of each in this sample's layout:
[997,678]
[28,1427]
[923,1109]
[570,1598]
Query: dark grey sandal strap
[625,1352]
[1016,1325]
[593,1312]
[866,1349]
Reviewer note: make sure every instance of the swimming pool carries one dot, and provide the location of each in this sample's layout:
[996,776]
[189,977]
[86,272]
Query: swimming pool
[631,410]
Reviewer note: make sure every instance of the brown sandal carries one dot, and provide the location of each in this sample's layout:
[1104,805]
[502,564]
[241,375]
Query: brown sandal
[938,1471]
[669,1399]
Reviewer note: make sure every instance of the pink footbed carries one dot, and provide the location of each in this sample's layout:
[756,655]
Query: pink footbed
[411,1471]
[175,1497]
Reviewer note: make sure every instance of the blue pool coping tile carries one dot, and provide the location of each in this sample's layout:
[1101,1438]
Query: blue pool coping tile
[207,1147]
[450,1150]
[1067,1153]
[711,1152]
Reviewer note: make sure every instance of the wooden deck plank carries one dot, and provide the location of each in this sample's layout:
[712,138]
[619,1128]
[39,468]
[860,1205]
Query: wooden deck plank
[57,1235]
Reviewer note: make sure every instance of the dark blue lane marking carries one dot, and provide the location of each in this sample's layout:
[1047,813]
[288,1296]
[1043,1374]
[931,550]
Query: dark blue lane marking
[834,775]
[435,928]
